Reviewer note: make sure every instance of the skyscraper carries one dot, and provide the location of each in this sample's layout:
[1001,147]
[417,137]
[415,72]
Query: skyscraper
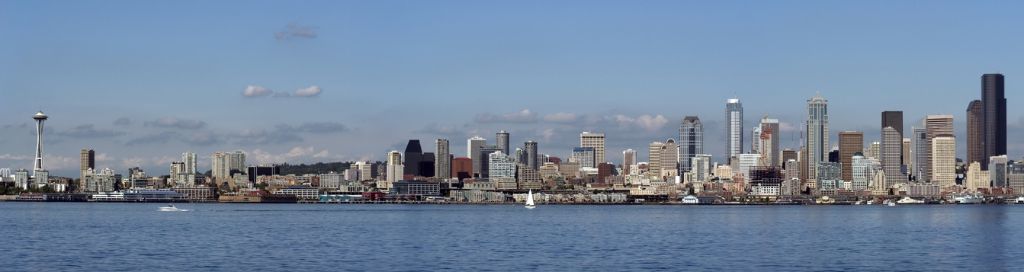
[396,171]
[595,140]
[891,150]
[502,141]
[88,159]
[473,146]
[922,150]
[628,161]
[976,134]
[817,134]
[993,101]
[442,159]
[531,155]
[850,143]
[189,170]
[669,159]
[236,162]
[768,139]
[220,168]
[894,119]
[734,128]
[691,142]
[413,156]
[943,160]
[935,126]
[40,117]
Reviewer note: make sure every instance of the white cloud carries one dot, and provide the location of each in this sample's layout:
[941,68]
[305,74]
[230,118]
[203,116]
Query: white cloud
[256,91]
[523,116]
[561,117]
[295,31]
[308,92]
[645,122]
[295,154]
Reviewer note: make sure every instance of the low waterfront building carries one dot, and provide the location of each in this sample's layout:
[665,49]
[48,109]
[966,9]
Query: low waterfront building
[200,194]
[417,188]
[301,192]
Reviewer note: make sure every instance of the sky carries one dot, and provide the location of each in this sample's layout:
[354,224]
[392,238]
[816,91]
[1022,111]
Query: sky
[141,82]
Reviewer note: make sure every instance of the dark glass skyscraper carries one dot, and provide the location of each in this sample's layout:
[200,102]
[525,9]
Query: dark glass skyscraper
[975,133]
[691,142]
[993,101]
[413,157]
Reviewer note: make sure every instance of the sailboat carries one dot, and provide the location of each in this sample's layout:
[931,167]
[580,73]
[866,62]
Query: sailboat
[529,200]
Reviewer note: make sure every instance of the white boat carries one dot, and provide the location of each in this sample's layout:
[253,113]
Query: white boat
[529,200]
[889,203]
[1019,200]
[171,208]
[909,200]
[968,199]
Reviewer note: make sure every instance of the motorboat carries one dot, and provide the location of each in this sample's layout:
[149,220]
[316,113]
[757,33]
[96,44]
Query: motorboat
[171,208]
[909,200]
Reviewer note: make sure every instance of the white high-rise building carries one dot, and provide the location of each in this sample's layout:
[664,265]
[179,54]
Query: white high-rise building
[977,178]
[700,167]
[501,165]
[221,167]
[864,169]
[935,126]
[734,127]
[944,160]
[596,141]
[817,140]
[395,167]
[747,162]
[188,160]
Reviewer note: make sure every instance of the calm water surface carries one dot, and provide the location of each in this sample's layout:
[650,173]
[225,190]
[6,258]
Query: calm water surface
[243,237]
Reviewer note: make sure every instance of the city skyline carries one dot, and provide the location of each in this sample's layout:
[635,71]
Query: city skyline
[138,109]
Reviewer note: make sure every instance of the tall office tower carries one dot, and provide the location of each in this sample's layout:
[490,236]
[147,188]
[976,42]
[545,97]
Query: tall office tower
[595,140]
[993,101]
[935,126]
[733,128]
[997,170]
[850,143]
[894,119]
[532,159]
[88,158]
[669,159]
[40,117]
[236,162]
[654,158]
[906,156]
[769,142]
[892,146]
[220,168]
[943,160]
[396,171]
[755,140]
[628,161]
[691,141]
[817,134]
[502,141]
[484,155]
[922,149]
[473,146]
[442,159]
[188,160]
[976,133]
[789,154]
[413,156]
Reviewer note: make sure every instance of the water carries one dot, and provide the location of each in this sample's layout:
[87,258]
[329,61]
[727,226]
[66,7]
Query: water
[244,237]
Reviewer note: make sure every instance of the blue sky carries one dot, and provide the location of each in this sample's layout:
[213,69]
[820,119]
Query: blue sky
[143,81]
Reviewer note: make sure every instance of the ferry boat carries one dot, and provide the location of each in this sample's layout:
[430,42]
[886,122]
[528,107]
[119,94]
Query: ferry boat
[909,200]
[968,199]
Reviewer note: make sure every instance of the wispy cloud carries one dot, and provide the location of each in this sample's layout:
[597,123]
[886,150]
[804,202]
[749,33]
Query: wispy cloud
[296,31]
[308,91]
[172,122]
[253,91]
[88,131]
[123,121]
[523,116]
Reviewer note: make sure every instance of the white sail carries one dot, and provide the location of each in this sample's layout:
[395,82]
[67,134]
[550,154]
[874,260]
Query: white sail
[529,199]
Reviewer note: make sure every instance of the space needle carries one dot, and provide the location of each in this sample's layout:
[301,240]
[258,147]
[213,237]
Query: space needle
[39,117]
